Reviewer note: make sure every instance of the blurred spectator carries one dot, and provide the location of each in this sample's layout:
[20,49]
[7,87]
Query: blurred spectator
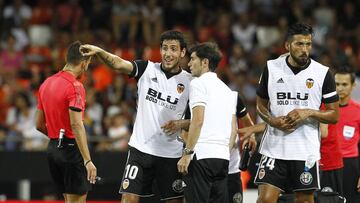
[152,22]
[116,91]
[11,60]
[240,6]
[17,14]
[244,31]
[237,60]
[324,14]
[93,114]
[99,15]
[348,18]
[2,27]
[119,133]
[39,29]
[222,32]
[102,76]
[68,15]
[124,21]
[335,51]
[21,123]
[266,11]
[58,51]
[42,13]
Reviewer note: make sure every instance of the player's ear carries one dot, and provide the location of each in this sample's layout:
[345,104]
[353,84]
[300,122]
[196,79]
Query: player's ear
[205,62]
[183,52]
[287,46]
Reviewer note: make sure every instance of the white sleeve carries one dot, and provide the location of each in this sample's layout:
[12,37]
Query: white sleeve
[234,99]
[198,94]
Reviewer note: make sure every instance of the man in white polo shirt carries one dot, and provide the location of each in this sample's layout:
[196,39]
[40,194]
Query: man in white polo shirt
[205,158]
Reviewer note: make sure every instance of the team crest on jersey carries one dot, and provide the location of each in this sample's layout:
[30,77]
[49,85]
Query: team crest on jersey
[261,173]
[178,185]
[309,83]
[306,178]
[237,198]
[180,88]
[125,184]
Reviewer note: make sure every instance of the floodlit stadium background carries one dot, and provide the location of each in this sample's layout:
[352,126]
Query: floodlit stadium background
[34,36]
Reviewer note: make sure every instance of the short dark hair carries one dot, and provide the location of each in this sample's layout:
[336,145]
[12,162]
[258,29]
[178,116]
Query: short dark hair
[299,29]
[210,51]
[73,55]
[346,70]
[173,35]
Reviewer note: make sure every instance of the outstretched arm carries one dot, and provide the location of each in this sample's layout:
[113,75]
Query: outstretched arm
[111,60]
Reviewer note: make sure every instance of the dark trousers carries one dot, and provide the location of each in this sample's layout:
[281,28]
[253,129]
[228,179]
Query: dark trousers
[206,181]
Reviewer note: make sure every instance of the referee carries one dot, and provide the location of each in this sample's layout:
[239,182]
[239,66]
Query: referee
[61,106]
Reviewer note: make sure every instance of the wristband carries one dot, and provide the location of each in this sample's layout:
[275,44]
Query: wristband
[187,151]
[88,161]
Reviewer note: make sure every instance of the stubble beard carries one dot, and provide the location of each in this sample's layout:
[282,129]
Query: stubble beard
[299,61]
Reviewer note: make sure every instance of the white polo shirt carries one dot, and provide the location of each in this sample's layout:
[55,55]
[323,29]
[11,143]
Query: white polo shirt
[220,105]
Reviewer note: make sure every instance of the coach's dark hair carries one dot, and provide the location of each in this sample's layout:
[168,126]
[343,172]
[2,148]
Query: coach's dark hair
[299,29]
[208,51]
[173,35]
[73,55]
[346,70]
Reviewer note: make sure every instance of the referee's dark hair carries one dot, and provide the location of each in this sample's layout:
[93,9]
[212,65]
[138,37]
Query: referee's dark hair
[173,35]
[298,29]
[210,51]
[346,70]
[73,55]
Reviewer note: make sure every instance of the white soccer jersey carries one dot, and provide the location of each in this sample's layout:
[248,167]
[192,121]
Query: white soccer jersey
[220,103]
[160,99]
[287,91]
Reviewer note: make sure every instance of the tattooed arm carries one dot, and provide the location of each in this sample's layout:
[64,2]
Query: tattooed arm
[111,60]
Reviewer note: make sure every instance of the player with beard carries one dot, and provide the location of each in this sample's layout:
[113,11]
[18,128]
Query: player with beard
[291,90]
[163,93]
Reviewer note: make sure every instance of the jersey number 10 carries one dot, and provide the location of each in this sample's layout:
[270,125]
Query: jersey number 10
[131,171]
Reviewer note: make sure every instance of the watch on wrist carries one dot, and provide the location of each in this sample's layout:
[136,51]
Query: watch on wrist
[187,151]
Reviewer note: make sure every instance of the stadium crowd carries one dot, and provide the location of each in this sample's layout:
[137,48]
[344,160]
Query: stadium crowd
[35,35]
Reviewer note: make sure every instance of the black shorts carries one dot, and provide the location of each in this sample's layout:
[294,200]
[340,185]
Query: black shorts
[206,181]
[235,190]
[287,174]
[332,180]
[142,169]
[351,177]
[67,168]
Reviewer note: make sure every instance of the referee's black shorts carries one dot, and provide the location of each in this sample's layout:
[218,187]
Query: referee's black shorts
[67,167]
[351,177]
[332,179]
